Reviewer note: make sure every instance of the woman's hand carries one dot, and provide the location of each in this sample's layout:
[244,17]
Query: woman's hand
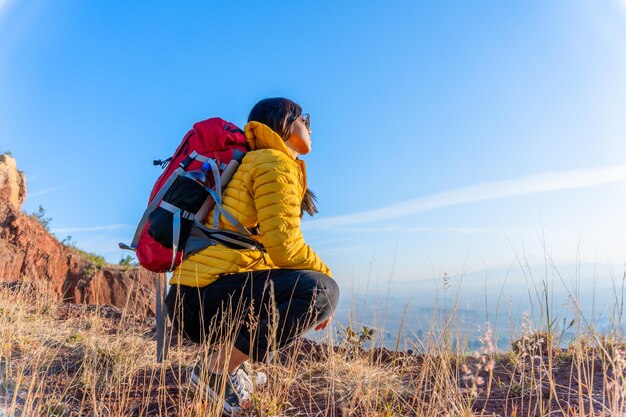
[323,324]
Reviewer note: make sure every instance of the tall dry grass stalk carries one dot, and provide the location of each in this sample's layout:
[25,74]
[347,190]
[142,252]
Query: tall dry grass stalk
[69,360]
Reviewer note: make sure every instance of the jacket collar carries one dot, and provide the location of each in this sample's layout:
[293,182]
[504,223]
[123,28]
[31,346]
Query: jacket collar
[260,136]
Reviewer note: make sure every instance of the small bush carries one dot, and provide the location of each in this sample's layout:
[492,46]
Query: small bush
[67,241]
[40,216]
[96,260]
[127,260]
[536,343]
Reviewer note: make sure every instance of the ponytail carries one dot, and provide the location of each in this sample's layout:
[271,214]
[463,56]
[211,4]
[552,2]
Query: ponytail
[308,203]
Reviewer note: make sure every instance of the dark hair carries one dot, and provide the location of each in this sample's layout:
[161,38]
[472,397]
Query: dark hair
[279,114]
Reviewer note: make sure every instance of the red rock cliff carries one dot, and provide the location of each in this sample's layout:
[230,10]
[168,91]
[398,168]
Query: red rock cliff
[28,253]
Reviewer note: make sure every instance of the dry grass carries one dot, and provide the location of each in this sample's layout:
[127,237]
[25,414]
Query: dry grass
[70,360]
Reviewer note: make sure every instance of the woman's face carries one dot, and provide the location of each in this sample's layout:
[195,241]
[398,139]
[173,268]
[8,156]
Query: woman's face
[300,139]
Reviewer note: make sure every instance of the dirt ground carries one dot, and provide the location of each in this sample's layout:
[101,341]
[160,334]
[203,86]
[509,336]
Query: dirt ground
[535,385]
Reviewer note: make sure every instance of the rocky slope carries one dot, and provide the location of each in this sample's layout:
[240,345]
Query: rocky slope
[29,254]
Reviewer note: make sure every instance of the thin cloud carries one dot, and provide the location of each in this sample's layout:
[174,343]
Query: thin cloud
[31,178]
[345,250]
[453,230]
[91,228]
[49,190]
[533,184]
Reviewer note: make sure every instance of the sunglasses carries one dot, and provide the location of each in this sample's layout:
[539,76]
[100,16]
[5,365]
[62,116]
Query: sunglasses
[306,119]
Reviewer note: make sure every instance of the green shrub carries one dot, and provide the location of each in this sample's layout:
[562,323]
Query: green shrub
[40,216]
[97,260]
[127,260]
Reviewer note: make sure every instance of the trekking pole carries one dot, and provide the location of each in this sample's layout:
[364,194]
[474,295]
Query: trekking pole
[162,331]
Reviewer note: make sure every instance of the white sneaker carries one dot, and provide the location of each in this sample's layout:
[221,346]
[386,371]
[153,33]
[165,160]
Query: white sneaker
[209,384]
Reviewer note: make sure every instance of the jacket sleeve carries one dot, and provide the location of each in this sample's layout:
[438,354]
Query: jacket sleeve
[277,194]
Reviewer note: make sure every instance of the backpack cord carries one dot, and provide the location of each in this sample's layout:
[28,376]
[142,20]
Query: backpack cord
[163,163]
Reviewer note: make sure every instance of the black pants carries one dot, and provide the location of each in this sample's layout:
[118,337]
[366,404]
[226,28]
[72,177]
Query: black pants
[258,311]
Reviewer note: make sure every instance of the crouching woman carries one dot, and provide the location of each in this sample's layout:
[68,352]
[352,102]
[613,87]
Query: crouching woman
[245,303]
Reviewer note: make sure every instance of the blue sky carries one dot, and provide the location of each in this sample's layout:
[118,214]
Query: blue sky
[449,136]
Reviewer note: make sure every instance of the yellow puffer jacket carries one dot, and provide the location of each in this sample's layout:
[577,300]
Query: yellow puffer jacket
[266,191]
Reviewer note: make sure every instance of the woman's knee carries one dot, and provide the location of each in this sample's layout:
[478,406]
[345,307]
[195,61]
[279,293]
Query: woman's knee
[311,291]
[326,295]
[332,291]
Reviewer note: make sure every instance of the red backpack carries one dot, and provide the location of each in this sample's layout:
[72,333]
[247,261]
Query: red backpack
[172,227]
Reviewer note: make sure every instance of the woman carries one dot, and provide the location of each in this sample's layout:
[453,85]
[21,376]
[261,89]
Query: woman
[246,303]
